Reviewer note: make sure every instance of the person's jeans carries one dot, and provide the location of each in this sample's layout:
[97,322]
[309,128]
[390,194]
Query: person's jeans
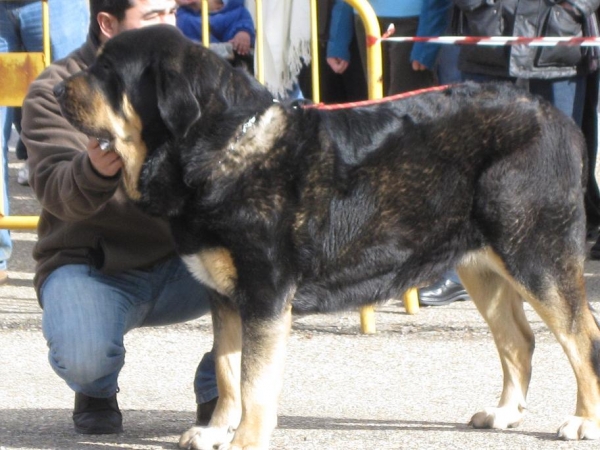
[87,313]
[567,94]
[21,26]
[5,241]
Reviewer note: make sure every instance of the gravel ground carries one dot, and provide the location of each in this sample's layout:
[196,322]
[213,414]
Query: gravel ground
[412,385]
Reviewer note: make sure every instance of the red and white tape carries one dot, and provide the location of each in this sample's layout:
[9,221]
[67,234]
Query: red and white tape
[500,40]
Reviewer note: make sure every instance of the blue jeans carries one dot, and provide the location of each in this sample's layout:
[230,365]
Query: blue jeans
[21,26]
[87,313]
[567,94]
[5,241]
[21,31]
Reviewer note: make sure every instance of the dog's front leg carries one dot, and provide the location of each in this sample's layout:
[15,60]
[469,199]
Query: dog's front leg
[263,357]
[227,329]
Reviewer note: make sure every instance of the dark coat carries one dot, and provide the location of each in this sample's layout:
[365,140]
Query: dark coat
[527,18]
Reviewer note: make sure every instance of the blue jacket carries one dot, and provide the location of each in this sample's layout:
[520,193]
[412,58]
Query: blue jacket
[223,24]
[434,20]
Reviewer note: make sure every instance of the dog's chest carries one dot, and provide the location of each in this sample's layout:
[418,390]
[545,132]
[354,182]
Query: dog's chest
[214,268]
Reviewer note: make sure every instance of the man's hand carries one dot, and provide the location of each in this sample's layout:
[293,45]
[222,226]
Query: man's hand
[241,43]
[106,163]
[338,65]
[417,66]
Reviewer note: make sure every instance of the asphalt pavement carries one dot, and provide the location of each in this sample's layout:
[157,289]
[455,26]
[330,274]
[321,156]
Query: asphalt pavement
[412,385]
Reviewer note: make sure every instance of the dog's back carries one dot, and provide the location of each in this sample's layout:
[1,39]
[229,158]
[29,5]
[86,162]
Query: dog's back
[421,181]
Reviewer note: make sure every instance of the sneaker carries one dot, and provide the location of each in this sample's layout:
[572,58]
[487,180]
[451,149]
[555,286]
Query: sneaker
[97,415]
[23,175]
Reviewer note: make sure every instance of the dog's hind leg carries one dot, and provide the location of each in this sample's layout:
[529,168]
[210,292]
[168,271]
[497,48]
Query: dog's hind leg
[502,308]
[227,329]
[563,306]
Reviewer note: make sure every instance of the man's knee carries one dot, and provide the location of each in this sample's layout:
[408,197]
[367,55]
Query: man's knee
[84,363]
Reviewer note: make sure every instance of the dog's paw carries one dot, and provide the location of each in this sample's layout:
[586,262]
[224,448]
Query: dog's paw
[575,428]
[498,418]
[206,438]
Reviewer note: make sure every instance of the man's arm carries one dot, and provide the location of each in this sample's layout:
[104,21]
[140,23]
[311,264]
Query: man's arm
[341,30]
[433,21]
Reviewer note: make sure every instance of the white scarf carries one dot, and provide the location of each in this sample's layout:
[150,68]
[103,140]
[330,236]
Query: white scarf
[286,41]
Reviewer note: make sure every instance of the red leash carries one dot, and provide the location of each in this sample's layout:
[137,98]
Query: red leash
[377,100]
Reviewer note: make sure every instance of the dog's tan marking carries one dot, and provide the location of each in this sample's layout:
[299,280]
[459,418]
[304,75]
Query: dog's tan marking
[253,140]
[92,109]
[215,268]
[485,277]
[127,129]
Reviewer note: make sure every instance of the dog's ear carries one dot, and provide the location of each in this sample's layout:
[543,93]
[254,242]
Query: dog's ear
[177,104]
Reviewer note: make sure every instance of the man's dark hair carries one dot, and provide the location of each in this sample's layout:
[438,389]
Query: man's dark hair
[115,7]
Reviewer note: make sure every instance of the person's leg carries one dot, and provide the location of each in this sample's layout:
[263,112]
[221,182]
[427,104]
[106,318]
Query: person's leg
[8,43]
[567,94]
[64,38]
[447,65]
[446,290]
[29,17]
[63,35]
[85,316]
[590,131]
[5,240]
[401,76]
[179,298]
[353,79]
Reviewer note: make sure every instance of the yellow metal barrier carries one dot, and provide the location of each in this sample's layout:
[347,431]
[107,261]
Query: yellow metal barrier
[17,71]
[19,222]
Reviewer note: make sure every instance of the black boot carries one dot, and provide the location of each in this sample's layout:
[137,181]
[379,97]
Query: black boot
[204,411]
[97,415]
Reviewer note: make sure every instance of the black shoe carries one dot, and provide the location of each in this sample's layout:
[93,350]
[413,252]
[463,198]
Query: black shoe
[595,250]
[97,415]
[443,292]
[204,411]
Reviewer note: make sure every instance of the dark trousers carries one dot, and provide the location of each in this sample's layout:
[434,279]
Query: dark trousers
[398,74]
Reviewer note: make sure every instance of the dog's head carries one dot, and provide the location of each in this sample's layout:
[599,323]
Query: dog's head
[146,87]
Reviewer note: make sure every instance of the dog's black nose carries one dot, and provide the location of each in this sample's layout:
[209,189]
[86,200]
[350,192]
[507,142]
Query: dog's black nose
[59,90]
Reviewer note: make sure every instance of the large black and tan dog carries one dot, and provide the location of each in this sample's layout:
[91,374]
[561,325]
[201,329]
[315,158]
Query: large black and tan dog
[280,209]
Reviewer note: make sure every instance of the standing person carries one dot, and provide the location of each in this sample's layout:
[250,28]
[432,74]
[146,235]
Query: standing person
[398,73]
[590,131]
[555,73]
[443,61]
[21,31]
[341,75]
[103,266]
